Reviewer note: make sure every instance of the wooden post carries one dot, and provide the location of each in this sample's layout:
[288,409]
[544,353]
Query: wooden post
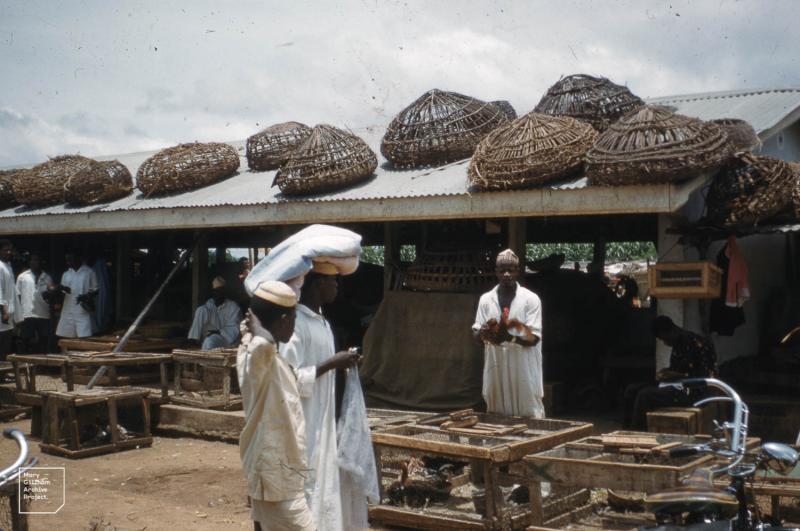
[220,253]
[391,254]
[199,271]
[113,420]
[122,265]
[518,238]
[669,250]
[162,367]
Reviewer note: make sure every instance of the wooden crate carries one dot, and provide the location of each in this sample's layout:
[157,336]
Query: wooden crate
[607,461]
[682,420]
[67,417]
[107,344]
[382,419]
[493,462]
[685,280]
[214,379]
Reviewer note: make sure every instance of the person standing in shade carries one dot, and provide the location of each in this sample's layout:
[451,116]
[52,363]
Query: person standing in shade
[509,322]
[79,285]
[312,351]
[216,323]
[8,299]
[35,329]
[272,444]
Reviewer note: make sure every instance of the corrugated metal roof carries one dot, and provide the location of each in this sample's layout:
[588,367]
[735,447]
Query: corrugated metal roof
[765,109]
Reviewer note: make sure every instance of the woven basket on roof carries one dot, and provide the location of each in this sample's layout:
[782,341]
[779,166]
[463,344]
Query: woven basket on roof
[749,189]
[740,133]
[654,145]
[100,182]
[796,189]
[507,108]
[268,149]
[464,271]
[7,178]
[186,167]
[329,159]
[44,184]
[595,100]
[530,151]
[440,127]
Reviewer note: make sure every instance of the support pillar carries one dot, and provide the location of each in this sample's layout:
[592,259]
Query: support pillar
[391,254]
[199,270]
[518,238]
[669,250]
[124,276]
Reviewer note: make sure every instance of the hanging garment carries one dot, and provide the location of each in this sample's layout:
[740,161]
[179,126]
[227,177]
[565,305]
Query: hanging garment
[738,288]
[724,319]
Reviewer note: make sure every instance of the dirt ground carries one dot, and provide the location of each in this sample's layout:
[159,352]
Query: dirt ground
[178,483]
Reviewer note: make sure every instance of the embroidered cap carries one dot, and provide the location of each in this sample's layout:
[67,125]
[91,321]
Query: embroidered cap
[276,293]
[507,257]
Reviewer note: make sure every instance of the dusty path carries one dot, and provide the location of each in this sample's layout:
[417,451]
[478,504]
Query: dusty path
[176,484]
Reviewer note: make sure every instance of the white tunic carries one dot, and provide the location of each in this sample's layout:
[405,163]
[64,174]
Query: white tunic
[29,291]
[75,321]
[311,345]
[512,374]
[8,295]
[224,318]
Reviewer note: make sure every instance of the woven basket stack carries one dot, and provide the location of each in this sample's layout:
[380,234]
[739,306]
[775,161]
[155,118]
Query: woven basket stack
[750,189]
[44,184]
[7,178]
[740,133]
[269,148]
[99,182]
[186,167]
[796,190]
[440,127]
[530,151]
[595,100]
[507,108]
[653,145]
[463,271]
[329,159]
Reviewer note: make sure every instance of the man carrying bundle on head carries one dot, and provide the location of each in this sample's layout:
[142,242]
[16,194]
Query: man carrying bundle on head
[312,259]
[509,322]
[272,443]
[216,323]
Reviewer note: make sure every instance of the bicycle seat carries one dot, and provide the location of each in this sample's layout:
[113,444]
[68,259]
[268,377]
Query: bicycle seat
[696,494]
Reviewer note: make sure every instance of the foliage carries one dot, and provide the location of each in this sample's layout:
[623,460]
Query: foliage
[583,252]
[373,254]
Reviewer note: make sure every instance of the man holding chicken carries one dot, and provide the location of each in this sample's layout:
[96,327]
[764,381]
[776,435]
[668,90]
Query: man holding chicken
[509,322]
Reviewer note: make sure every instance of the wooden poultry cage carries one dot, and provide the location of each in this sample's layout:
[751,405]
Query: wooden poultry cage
[97,421]
[621,460]
[383,419]
[685,280]
[207,379]
[486,450]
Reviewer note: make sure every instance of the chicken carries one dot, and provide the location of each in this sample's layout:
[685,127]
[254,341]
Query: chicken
[418,486]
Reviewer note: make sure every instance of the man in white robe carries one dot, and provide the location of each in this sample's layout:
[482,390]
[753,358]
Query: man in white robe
[509,322]
[216,323]
[79,284]
[8,299]
[312,352]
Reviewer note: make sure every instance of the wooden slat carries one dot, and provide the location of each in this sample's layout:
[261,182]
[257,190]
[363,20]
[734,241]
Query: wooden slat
[408,518]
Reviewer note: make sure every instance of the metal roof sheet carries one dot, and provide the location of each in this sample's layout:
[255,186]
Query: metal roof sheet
[765,109]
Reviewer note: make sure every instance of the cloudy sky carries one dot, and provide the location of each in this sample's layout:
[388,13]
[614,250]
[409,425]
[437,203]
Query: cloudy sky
[105,77]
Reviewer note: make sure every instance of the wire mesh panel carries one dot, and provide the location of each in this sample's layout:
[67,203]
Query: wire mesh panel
[594,100]
[653,145]
[532,150]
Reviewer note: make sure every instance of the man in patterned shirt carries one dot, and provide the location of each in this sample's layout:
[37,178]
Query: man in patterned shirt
[692,356]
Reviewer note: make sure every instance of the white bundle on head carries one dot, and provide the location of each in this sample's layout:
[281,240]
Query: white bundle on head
[294,257]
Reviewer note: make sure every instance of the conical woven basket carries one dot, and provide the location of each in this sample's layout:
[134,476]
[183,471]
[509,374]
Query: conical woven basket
[100,182]
[464,271]
[440,127]
[329,159]
[653,145]
[751,188]
[740,133]
[595,100]
[44,184]
[530,151]
[268,149]
[186,167]
[7,178]
[507,108]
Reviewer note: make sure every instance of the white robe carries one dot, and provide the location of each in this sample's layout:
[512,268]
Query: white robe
[312,344]
[225,318]
[8,295]
[512,374]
